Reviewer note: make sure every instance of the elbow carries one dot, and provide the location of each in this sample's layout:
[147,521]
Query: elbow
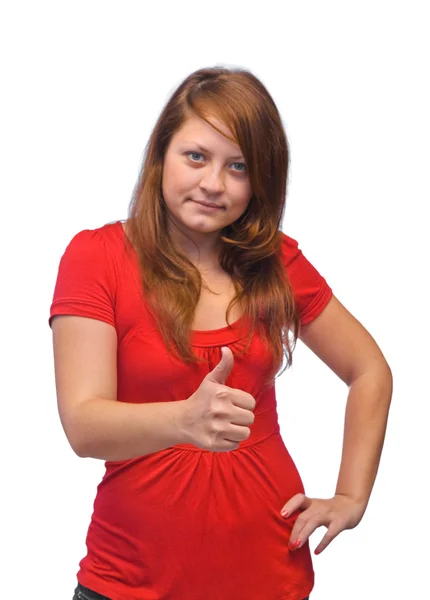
[378,371]
[76,444]
[78,451]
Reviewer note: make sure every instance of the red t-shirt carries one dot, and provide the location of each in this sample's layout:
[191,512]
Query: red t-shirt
[185,523]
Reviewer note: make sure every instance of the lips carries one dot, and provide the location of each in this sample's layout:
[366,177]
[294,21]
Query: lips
[210,204]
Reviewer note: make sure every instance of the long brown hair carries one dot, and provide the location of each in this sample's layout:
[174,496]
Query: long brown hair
[249,247]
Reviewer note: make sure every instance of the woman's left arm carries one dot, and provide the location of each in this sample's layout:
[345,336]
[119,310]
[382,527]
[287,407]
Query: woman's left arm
[349,350]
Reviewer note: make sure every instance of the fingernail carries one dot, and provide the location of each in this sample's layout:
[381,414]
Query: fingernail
[296,544]
[284,513]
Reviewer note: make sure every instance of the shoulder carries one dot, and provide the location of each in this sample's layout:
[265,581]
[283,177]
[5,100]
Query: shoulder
[311,290]
[104,233]
[96,243]
[93,253]
[87,282]
[289,249]
[287,242]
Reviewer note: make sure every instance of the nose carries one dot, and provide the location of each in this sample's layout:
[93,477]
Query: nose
[212,181]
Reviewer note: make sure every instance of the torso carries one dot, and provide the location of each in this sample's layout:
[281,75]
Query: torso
[211,308]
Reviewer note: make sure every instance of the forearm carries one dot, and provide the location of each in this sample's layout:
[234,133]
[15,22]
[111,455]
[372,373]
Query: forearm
[112,430]
[366,418]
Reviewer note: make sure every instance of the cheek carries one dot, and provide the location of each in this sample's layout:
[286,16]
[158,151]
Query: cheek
[243,192]
[169,178]
[177,179]
[244,201]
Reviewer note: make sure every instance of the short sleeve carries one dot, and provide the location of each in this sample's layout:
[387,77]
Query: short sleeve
[311,291]
[85,279]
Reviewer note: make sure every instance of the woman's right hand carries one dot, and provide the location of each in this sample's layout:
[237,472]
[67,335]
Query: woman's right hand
[217,417]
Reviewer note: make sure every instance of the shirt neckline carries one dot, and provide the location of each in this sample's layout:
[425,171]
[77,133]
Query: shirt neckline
[203,337]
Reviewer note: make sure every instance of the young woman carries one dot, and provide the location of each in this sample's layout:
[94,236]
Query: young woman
[169,330]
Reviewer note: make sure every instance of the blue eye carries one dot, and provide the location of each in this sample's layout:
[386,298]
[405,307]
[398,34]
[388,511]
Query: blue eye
[200,154]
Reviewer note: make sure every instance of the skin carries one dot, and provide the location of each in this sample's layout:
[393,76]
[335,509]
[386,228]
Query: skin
[218,175]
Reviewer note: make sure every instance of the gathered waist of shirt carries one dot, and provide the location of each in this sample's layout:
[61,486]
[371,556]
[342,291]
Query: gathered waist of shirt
[265,424]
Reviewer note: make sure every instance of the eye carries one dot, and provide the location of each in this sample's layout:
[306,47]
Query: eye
[235,163]
[195,153]
[242,164]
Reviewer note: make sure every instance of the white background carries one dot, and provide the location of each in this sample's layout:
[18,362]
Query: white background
[83,84]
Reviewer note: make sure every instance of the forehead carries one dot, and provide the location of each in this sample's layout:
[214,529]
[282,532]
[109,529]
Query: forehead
[197,129]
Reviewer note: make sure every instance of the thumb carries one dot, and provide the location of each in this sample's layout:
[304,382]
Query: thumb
[223,369]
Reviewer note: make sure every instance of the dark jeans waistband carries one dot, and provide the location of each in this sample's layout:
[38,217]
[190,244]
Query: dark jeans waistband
[84,593]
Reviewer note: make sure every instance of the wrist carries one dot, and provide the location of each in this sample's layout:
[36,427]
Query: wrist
[181,421]
[360,501]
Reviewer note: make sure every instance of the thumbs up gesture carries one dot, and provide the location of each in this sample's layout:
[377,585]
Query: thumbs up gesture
[217,417]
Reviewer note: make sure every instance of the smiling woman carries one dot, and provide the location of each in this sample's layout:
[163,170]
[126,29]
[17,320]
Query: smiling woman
[195,188]
[219,142]
[169,330]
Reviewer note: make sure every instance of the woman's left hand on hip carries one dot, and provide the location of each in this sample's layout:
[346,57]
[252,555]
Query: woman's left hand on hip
[337,513]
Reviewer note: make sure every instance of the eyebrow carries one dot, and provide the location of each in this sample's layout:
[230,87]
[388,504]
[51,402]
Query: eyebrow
[208,151]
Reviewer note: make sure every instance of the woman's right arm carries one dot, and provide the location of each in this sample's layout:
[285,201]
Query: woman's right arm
[95,423]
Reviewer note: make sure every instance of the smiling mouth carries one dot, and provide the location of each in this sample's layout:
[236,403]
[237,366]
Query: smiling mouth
[207,204]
